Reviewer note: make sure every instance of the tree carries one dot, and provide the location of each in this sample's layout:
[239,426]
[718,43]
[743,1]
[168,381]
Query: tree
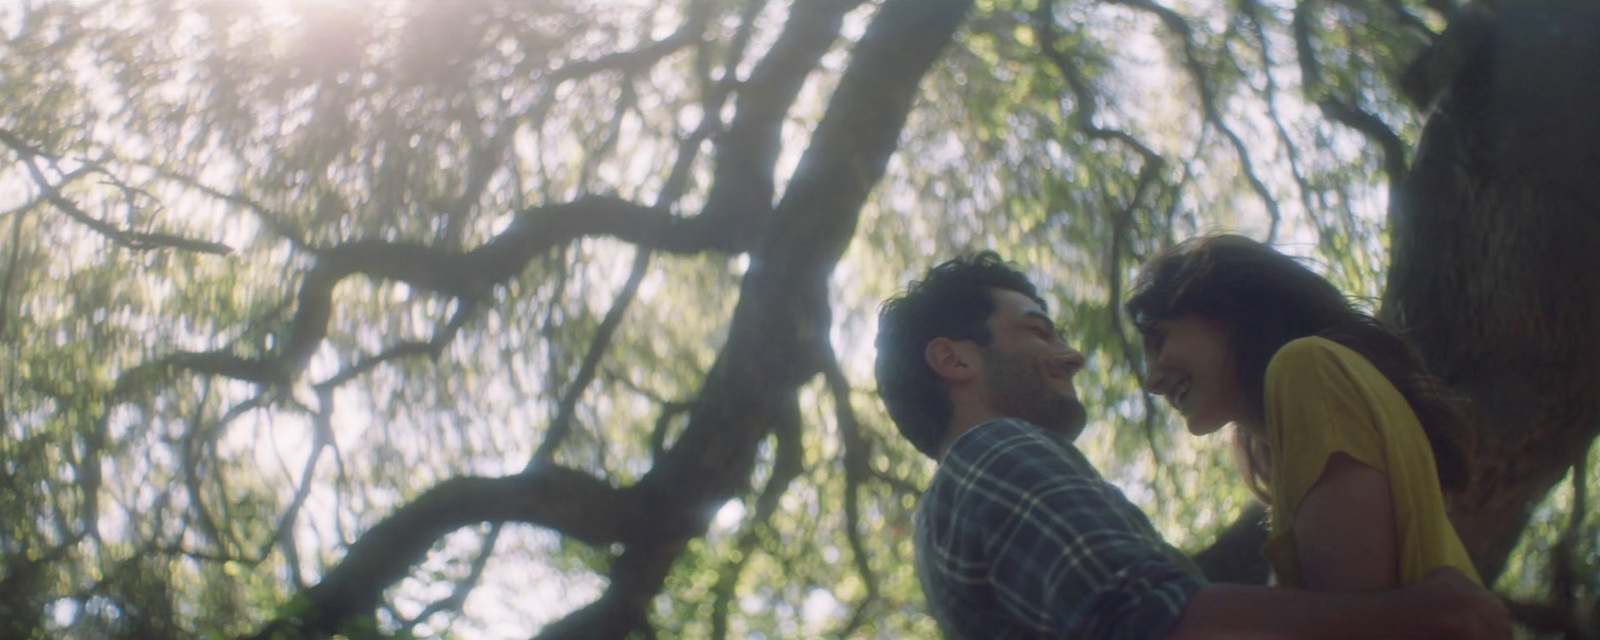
[1506,170]
[340,317]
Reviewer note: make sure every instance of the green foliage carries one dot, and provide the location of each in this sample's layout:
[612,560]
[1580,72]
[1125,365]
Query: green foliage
[151,498]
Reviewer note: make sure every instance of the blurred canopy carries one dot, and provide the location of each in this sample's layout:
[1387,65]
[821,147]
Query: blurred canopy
[495,319]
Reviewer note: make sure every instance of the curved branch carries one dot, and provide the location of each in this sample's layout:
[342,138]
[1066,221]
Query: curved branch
[742,187]
[468,274]
[1121,230]
[322,438]
[1084,99]
[1349,115]
[464,275]
[1045,26]
[13,265]
[562,424]
[458,596]
[194,443]
[658,435]
[716,95]
[271,219]
[570,502]
[1252,12]
[781,321]
[135,240]
[635,62]
[431,349]
[627,102]
[1179,26]
[642,58]
[789,463]
[857,452]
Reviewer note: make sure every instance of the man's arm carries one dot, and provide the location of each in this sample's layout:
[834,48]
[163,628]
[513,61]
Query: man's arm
[1445,606]
[1063,553]
[1071,558]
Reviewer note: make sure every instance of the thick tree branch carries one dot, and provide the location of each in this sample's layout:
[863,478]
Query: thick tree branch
[1468,37]
[778,327]
[464,275]
[570,502]
[781,322]
[1492,244]
[742,189]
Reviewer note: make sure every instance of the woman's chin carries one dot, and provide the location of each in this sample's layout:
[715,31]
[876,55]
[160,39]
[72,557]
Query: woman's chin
[1205,427]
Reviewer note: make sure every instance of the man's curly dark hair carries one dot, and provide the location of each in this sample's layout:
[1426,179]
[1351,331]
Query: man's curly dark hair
[953,301]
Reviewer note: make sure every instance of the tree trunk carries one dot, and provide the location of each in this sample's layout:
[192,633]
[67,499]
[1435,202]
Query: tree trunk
[1493,237]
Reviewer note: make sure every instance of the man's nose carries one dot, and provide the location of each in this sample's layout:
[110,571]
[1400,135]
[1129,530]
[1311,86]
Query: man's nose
[1071,360]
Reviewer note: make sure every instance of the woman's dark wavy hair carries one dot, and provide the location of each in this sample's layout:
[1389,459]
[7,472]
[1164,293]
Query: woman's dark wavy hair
[953,301]
[1266,299]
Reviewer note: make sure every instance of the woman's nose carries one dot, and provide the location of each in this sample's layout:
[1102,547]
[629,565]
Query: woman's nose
[1155,375]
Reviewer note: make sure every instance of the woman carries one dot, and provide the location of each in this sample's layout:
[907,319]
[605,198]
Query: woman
[1339,424]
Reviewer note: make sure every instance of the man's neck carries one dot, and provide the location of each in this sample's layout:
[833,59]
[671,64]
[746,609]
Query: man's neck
[962,422]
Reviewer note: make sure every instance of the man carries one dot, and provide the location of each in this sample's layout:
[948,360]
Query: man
[1018,537]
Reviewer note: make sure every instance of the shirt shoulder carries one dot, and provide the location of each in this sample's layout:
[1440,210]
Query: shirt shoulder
[1318,384]
[1323,398]
[1019,537]
[1017,452]
[1314,353]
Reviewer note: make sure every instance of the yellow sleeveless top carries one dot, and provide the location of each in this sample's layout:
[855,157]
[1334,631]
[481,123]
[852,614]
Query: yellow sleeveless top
[1323,398]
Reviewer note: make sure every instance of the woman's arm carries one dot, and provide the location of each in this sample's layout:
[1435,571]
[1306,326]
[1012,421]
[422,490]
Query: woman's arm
[1326,424]
[1445,606]
[1345,529]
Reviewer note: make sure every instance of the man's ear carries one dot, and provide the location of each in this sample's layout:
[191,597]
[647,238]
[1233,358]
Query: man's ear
[952,360]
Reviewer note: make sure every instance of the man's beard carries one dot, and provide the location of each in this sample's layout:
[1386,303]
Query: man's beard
[1022,390]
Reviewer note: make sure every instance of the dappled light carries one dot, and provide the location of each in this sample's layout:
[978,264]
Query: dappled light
[497,319]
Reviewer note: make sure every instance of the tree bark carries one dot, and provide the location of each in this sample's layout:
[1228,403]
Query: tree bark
[1493,238]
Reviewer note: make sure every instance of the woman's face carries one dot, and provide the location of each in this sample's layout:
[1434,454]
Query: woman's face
[1190,361]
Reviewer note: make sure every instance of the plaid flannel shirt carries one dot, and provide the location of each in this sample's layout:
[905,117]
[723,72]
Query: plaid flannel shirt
[1019,537]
